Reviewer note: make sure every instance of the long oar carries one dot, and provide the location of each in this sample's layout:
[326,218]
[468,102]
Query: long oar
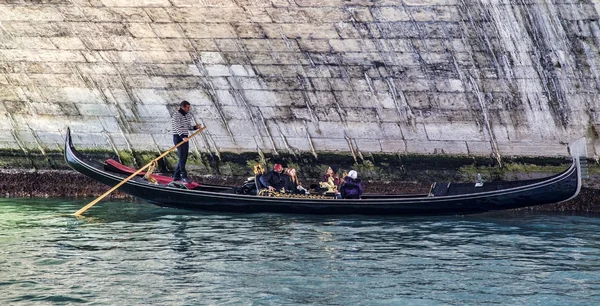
[81,211]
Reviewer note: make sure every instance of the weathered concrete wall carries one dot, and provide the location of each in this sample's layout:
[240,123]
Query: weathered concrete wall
[503,77]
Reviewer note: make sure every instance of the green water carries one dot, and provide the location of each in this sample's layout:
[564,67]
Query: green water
[138,254]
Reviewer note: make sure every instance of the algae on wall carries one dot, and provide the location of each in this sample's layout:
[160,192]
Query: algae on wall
[375,167]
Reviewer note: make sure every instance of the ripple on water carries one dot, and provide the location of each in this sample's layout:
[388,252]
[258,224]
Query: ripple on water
[132,253]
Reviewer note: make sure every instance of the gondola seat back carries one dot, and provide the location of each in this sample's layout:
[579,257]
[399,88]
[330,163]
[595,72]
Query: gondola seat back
[259,184]
[439,189]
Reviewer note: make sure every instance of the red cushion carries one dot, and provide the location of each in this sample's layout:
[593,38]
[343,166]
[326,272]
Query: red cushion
[161,179]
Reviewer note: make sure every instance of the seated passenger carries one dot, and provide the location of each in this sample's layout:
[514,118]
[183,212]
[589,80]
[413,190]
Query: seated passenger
[292,184]
[352,187]
[331,181]
[274,180]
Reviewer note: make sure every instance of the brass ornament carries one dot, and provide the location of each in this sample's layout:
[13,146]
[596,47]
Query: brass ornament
[265,192]
[148,175]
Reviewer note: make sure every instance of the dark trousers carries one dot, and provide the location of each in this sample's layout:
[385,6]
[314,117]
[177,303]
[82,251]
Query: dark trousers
[182,153]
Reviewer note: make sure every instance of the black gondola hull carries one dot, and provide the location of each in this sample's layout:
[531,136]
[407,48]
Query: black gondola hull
[557,188]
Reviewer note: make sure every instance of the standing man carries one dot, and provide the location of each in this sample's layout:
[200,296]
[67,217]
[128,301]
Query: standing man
[181,123]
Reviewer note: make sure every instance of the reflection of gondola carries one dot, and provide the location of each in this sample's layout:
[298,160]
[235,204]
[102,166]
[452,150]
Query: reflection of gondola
[446,198]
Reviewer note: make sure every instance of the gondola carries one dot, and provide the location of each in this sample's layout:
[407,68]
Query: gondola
[443,199]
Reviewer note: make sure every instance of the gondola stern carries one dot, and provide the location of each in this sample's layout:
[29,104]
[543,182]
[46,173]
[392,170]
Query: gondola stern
[578,160]
[578,151]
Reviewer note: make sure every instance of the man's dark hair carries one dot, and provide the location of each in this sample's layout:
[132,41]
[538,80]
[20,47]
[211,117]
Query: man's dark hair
[184,103]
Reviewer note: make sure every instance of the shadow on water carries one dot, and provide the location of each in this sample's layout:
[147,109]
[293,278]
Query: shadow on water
[128,211]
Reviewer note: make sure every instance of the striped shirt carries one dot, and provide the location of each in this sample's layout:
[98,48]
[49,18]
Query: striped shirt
[181,123]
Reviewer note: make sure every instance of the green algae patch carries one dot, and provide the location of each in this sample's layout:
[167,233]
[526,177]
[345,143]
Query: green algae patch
[370,166]
[126,158]
[17,159]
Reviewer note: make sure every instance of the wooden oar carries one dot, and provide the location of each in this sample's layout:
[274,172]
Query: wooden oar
[82,210]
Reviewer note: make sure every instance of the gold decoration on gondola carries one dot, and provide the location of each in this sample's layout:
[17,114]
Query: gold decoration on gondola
[342,179]
[329,185]
[275,194]
[148,175]
[258,169]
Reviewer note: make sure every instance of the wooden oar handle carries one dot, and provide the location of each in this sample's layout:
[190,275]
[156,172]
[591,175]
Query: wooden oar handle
[82,210]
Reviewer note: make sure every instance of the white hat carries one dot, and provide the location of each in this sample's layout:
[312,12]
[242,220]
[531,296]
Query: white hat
[352,174]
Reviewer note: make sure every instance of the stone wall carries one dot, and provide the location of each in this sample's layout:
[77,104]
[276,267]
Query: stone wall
[480,77]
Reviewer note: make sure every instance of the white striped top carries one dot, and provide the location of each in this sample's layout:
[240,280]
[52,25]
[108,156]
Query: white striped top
[181,123]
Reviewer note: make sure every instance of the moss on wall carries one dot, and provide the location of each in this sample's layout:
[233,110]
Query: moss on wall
[407,167]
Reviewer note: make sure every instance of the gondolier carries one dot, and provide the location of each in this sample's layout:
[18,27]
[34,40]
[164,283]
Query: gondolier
[181,124]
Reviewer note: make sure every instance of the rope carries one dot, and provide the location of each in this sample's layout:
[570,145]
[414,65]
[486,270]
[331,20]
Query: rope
[148,175]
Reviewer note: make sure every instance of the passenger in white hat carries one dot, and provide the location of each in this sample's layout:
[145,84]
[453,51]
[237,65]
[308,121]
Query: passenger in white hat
[352,187]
